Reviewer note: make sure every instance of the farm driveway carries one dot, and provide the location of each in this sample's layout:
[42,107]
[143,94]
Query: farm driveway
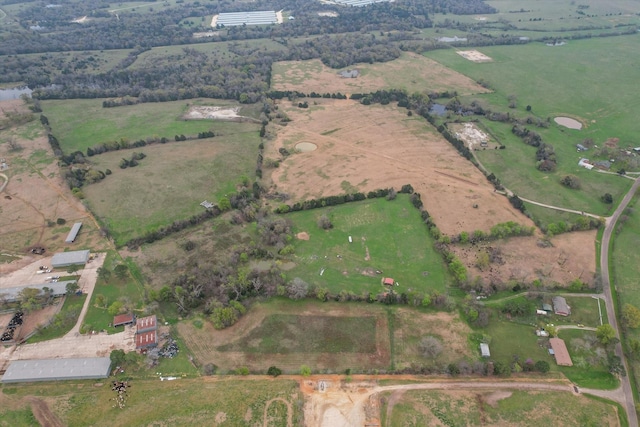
[87,282]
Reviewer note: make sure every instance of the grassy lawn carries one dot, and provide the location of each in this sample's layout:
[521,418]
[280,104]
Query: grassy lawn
[545,216]
[286,333]
[98,318]
[522,408]
[185,402]
[63,321]
[82,123]
[170,183]
[17,417]
[388,236]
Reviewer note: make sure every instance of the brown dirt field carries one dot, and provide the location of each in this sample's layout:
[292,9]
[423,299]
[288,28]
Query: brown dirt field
[36,193]
[411,72]
[572,256]
[39,317]
[43,413]
[410,327]
[368,147]
[203,342]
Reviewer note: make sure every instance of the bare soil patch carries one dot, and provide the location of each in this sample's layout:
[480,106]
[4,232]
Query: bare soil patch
[411,72]
[38,318]
[492,399]
[303,235]
[472,136]
[204,342]
[43,413]
[37,194]
[572,256]
[474,56]
[371,147]
[202,112]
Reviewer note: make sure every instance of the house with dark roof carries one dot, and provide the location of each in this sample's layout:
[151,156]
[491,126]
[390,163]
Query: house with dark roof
[560,306]
[123,319]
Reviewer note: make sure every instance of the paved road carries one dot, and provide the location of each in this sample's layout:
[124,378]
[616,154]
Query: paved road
[606,284]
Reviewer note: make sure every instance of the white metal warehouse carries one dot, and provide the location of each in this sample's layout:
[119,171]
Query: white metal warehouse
[57,369]
[65,259]
[234,19]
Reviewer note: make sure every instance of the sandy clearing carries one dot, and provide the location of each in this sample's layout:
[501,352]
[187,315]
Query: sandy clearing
[279,18]
[214,21]
[370,147]
[474,56]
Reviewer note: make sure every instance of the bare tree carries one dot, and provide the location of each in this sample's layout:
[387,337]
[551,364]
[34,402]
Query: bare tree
[13,143]
[297,289]
[430,347]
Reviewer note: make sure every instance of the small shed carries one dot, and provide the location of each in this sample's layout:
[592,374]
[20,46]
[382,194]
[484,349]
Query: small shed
[123,319]
[560,306]
[547,307]
[560,352]
[541,312]
[146,324]
[388,281]
[146,340]
[484,350]
[71,237]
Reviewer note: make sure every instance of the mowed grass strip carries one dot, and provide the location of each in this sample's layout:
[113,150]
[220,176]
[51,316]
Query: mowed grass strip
[83,123]
[387,236]
[286,333]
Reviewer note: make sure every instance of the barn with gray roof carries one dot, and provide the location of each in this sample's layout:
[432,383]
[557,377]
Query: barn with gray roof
[57,369]
[65,259]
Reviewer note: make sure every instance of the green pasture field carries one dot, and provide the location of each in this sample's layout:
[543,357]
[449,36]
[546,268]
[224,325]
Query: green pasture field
[97,318]
[171,182]
[71,307]
[545,187]
[522,408]
[623,263]
[83,123]
[563,81]
[17,417]
[287,333]
[390,232]
[184,402]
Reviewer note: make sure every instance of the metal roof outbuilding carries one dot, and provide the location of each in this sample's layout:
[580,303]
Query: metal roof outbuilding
[71,237]
[65,259]
[57,369]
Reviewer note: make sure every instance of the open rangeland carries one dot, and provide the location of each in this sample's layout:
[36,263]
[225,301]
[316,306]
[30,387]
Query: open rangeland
[83,123]
[362,148]
[183,402]
[524,259]
[171,181]
[494,407]
[381,246]
[36,206]
[411,72]
[327,337]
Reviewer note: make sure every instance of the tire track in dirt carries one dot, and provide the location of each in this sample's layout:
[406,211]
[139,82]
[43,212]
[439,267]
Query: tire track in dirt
[289,411]
[43,413]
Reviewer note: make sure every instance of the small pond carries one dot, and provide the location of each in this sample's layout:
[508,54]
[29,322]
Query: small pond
[14,93]
[438,109]
[568,122]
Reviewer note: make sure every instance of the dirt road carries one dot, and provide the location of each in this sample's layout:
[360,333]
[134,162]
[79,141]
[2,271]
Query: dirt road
[87,282]
[332,403]
[611,314]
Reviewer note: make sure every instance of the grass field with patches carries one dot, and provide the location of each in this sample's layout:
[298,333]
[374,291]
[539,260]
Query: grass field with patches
[387,236]
[82,123]
[186,402]
[522,408]
[63,321]
[171,181]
